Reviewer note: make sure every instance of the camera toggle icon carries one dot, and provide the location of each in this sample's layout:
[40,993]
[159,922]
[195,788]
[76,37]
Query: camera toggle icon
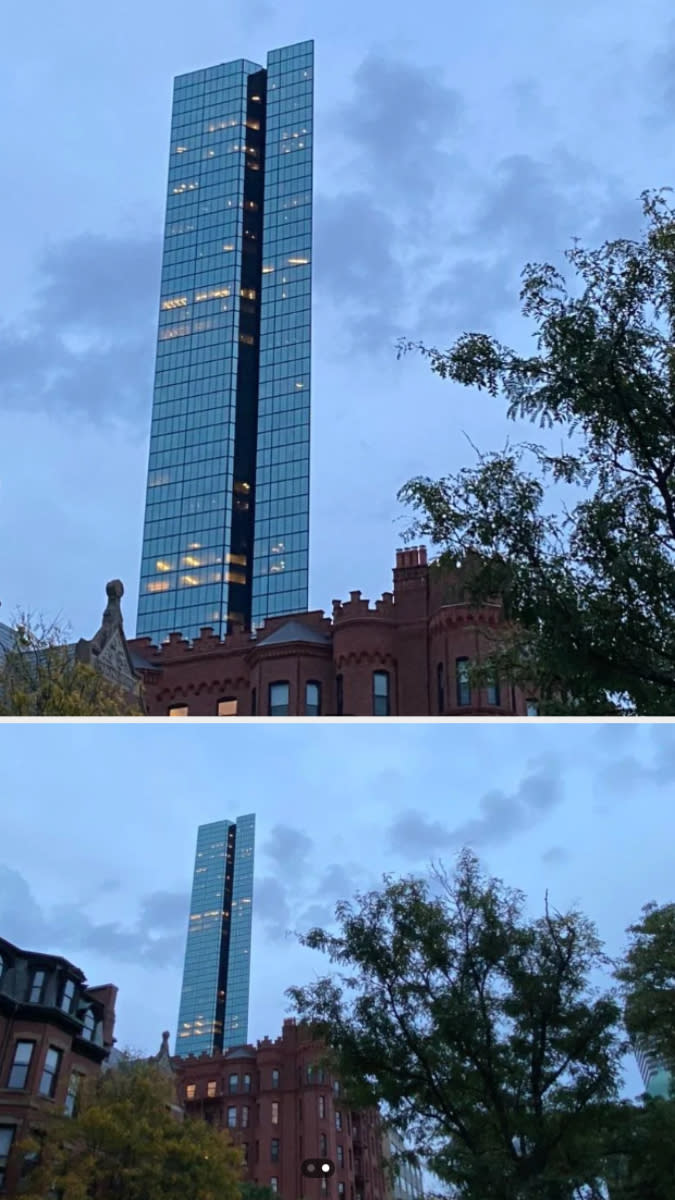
[317,1168]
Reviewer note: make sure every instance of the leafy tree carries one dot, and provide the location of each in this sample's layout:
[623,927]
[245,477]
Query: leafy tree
[477,1029]
[647,975]
[256,1191]
[124,1144]
[589,590]
[40,676]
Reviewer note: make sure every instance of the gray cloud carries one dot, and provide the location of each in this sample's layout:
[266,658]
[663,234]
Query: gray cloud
[87,345]
[555,855]
[622,775]
[502,816]
[272,907]
[401,117]
[289,848]
[69,930]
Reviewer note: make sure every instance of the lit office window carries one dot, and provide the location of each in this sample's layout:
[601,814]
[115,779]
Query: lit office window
[227,708]
[178,710]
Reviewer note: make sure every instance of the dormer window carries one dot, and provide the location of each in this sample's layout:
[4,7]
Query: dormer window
[67,996]
[88,1025]
[37,987]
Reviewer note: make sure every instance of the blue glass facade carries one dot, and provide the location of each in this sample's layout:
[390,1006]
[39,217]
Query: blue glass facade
[226,530]
[213,1013]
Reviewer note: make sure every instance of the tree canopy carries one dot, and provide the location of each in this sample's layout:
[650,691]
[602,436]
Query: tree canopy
[588,588]
[40,676]
[124,1144]
[647,975]
[478,1029]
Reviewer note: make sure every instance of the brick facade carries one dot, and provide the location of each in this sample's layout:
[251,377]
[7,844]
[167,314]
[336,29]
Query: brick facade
[401,657]
[281,1108]
[62,1028]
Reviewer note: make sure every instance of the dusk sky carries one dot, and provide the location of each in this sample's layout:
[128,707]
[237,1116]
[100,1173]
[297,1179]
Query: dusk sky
[99,823]
[452,145]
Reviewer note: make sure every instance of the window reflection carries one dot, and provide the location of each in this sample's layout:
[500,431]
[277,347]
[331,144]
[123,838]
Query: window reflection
[279,698]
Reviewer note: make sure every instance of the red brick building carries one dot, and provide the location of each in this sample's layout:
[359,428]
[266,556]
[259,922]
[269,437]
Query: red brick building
[406,656]
[281,1108]
[54,1031]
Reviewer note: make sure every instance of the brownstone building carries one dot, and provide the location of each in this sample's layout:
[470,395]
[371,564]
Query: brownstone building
[406,656]
[281,1108]
[54,1032]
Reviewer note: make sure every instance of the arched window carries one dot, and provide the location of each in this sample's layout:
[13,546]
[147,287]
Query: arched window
[312,698]
[463,685]
[381,707]
[279,698]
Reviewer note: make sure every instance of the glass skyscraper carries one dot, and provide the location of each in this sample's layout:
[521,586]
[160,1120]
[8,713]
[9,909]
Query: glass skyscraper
[225,539]
[213,1013]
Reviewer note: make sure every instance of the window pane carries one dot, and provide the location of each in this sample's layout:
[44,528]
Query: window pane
[312,699]
[532,708]
[380,694]
[50,1071]
[19,1071]
[493,693]
[275,1112]
[463,686]
[231,1118]
[279,699]
[6,1138]
[37,987]
[211,1087]
[178,710]
[227,708]
[233,1083]
[68,993]
[71,1096]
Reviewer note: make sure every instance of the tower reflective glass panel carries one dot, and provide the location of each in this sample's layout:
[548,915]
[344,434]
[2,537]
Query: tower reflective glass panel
[213,1013]
[226,532]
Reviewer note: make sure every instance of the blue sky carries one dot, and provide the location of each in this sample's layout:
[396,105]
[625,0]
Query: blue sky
[453,145]
[98,830]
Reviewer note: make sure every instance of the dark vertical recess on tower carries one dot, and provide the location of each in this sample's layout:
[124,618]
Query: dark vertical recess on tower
[219,1031]
[248,367]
